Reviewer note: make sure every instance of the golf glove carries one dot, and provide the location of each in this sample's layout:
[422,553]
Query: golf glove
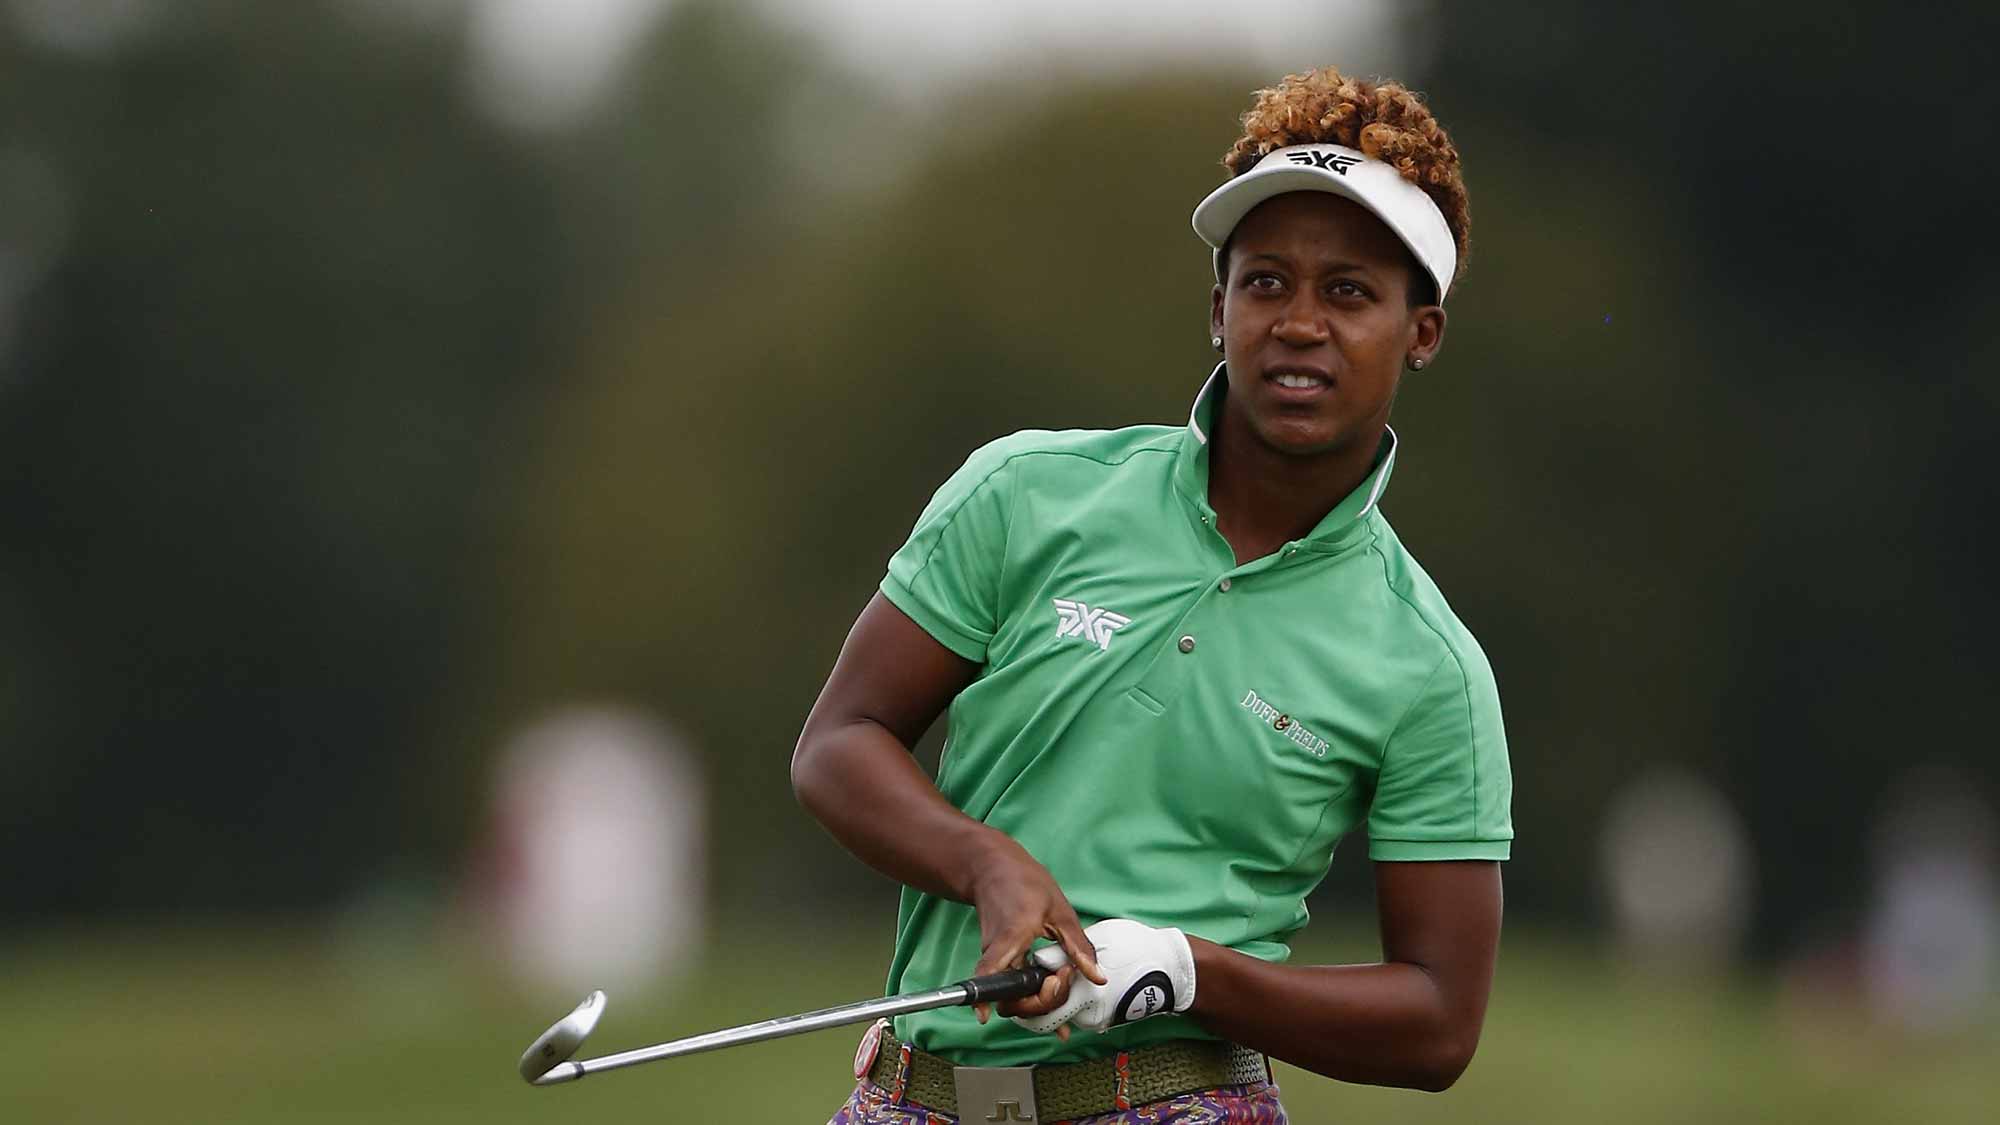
[1147,971]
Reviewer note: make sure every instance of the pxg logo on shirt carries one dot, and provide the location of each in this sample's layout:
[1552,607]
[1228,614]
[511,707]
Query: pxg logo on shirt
[1075,619]
[1331,161]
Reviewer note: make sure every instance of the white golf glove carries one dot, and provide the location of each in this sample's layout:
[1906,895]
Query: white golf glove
[1147,971]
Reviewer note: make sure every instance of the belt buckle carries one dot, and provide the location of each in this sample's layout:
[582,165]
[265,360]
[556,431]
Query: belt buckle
[995,1093]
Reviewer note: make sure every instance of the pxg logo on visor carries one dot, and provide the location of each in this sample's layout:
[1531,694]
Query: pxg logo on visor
[1331,161]
[1408,211]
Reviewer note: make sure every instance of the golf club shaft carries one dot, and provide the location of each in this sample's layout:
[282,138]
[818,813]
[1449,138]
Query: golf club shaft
[1007,985]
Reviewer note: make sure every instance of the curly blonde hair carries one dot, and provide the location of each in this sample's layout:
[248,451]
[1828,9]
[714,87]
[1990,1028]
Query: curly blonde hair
[1383,119]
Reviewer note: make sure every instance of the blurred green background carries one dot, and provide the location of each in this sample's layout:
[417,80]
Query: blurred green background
[213,1025]
[369,396]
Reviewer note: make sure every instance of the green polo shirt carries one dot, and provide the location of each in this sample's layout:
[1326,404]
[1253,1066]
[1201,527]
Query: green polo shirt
[1178,739]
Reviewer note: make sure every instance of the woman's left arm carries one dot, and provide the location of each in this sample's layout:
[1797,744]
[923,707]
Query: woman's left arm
[1411,1021]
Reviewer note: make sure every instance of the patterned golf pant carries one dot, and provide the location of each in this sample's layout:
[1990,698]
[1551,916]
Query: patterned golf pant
[1254,1104]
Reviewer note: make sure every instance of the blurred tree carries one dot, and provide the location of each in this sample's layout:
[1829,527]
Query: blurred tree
[1820,168]
[247,420]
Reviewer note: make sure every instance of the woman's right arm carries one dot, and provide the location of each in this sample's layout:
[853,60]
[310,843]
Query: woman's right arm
[853,770]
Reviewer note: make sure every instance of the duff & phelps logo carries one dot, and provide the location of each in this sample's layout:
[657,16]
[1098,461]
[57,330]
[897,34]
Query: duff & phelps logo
[1075,619]
[1284,724]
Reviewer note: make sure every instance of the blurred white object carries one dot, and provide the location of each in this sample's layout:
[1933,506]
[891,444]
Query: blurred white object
[541,64]
[81,27]
[598,876]
[1676,866]
[916,47]
[1931,947]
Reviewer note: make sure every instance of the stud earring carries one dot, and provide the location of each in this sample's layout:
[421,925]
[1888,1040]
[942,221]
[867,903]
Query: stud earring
[1215,342]
[1416,365]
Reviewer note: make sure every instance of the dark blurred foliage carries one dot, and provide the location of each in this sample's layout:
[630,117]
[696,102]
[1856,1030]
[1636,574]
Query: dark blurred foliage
[1827,173]
[247,424]
[352,432]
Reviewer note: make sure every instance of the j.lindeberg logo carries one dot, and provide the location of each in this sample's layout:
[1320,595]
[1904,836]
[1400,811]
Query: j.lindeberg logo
[1331,161]
[1075,619]
[1284,724]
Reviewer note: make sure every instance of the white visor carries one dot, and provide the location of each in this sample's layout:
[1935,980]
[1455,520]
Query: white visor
[1400,204]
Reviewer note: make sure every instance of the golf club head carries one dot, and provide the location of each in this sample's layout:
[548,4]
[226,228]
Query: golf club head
[559,1042]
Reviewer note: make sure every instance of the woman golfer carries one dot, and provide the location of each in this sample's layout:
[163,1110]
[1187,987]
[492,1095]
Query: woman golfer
[1181,663]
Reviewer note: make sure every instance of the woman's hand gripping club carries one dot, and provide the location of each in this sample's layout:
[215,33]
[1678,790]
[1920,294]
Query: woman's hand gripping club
[1018,903]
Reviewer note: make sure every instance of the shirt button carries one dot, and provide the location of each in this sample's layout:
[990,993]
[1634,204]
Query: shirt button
[1223,585]
[1187,644]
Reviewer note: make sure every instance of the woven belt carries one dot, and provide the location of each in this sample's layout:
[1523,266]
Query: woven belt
[1064,1091]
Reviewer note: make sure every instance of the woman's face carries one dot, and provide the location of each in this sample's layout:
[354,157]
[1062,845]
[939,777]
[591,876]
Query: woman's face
[1316,322]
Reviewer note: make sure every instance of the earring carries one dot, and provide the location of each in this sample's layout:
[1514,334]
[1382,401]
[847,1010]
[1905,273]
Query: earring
[1416,365]
[1215,342]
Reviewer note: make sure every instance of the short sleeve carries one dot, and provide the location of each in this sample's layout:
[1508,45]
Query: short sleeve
[1444,790]
[947,576]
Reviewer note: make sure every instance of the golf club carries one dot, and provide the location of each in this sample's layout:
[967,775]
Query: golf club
[562,1039]
[547,1060]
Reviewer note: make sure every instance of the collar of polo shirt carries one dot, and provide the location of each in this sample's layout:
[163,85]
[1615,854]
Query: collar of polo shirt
[1341,526]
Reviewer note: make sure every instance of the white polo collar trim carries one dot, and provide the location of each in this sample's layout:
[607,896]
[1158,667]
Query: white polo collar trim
[1201,396]
[1381,472]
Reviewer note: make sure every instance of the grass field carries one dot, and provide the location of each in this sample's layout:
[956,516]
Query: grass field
[250,1025]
